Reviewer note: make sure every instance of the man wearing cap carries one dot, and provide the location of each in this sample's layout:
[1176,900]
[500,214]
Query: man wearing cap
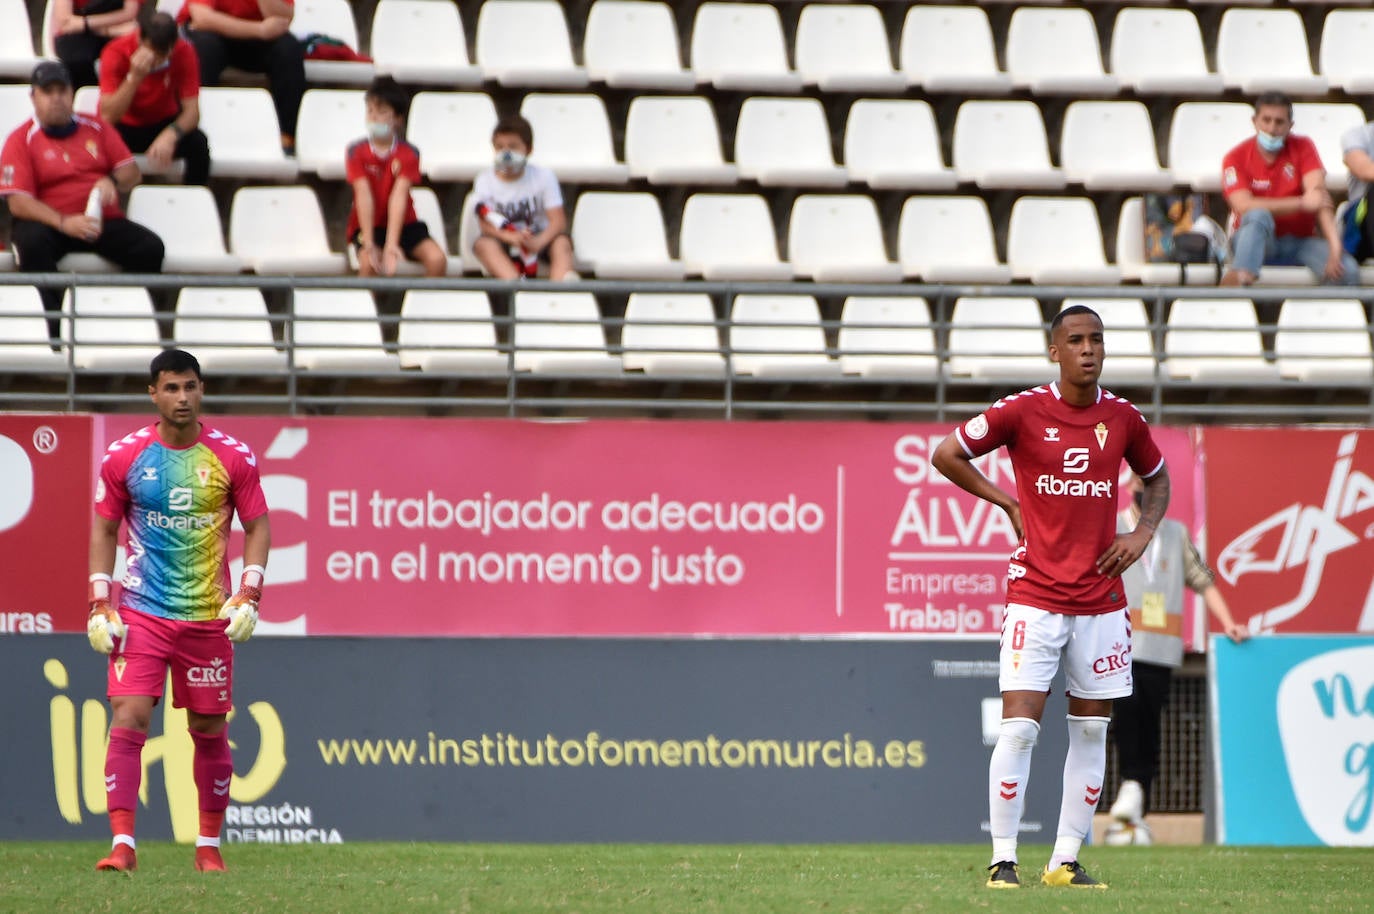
[252,35]
[150,91]
[49,169]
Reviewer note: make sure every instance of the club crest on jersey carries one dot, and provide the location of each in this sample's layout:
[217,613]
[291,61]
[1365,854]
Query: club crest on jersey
[203,474]
[119,665]
[1051,434]
[92,148]
[1101,433]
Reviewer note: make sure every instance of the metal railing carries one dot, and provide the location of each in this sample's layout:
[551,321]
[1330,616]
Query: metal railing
[935,395]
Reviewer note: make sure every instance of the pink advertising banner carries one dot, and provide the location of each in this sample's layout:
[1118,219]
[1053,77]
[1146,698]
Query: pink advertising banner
[512,528]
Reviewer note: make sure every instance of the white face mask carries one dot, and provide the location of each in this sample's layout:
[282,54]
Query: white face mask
[379,130]
[509,161]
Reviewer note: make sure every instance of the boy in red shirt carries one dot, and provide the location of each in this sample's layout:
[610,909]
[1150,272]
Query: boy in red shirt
[150,91]
[1281,214]
[382,168]
[48,169]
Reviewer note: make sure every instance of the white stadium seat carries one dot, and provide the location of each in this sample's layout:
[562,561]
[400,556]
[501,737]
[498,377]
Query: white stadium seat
[1344,54]
[1002,144]
[1111,146]
[1056,51]
[779,336]
[998,339]
[452,130]
[675,140]
[1215,341]
[740,46]
[449,331]
[621,236]
[228,329]
[671,335]
[330,121]
[1324,341]
[838,238]
[844,48]
[1200,135]
[1326,123]
[895,144]
[336,331]
[245,140]
[422,41]
[730,236]
[559,333]
[786,142]
[188,222]
[334,19]
[281,230]
[526,43]
[950,49]
[17,58]
[634,44]
[887,338]
[24,342]
[112,328]
[572,136]
[1053,240]
[949,239]
[1259,50]
[1159,51]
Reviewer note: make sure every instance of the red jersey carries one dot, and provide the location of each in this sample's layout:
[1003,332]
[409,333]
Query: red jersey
[381,170]
[1244,168]
[61,171]
[239,9]
[1066,459]
[158,97]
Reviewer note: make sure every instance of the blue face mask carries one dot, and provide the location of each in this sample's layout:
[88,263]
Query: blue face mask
[379,130]
[509,161]
[1268,142]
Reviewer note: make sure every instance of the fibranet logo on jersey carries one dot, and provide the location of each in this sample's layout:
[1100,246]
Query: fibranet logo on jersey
[1049,484]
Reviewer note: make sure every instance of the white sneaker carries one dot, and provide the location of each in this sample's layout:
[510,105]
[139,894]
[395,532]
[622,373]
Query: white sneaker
[1130,802]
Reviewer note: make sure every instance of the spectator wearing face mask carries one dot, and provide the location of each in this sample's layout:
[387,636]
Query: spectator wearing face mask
[382,167]
[150,91]
[1281,213]
[520,210]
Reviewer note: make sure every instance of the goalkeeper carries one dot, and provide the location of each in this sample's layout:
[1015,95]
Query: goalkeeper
[177,484]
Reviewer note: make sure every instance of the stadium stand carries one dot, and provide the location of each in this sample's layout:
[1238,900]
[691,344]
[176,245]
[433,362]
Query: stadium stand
[801,115]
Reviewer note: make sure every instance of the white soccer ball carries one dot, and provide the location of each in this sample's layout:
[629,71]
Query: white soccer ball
[1125,834]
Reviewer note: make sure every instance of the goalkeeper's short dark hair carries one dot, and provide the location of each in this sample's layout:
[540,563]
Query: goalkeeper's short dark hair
[172,360]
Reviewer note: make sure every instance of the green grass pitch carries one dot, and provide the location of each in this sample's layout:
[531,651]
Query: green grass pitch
[59,878]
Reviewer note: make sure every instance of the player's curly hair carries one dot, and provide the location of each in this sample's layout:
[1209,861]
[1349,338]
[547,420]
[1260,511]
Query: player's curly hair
[174,361]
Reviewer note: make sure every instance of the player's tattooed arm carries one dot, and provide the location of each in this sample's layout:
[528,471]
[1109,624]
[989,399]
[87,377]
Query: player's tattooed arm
[1154,500]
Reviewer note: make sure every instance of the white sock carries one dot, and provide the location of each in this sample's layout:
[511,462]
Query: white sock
[1084,768]
[1008,774]
[122,839]
[203,841]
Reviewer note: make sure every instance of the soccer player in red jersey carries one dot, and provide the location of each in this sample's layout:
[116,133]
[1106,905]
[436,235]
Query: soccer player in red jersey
[1065,596]
[48,168]
[177,485]
[150,91]
[382,168]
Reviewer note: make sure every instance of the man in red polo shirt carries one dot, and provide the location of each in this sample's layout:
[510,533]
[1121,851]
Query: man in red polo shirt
[48,169]
[253,35]
[150,91]
[1281,214]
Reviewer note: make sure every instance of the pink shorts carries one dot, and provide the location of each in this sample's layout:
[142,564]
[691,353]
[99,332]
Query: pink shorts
[199,654]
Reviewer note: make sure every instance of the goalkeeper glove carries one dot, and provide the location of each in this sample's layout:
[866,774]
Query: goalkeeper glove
[104,624]
[242,608]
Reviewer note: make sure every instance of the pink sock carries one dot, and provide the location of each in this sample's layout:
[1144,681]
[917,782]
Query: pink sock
[124,768]
[213,768]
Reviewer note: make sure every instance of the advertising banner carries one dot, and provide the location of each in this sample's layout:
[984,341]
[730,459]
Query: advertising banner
[1293,736]
[1290,519]
[45,510]
[571,739]
[413,527]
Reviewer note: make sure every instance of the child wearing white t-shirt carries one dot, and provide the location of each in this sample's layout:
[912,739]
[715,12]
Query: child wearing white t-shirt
[520,210]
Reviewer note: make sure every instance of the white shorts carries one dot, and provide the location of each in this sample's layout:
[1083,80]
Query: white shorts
[1096,651]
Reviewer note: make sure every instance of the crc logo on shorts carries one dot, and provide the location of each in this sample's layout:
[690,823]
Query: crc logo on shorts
[1076,459]
[1115,662]
[213,676]
[180,499]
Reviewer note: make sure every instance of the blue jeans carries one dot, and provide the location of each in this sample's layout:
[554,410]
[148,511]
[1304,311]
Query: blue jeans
[1255,244]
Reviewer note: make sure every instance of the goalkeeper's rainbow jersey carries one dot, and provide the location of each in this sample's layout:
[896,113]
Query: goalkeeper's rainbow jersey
[178,504]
